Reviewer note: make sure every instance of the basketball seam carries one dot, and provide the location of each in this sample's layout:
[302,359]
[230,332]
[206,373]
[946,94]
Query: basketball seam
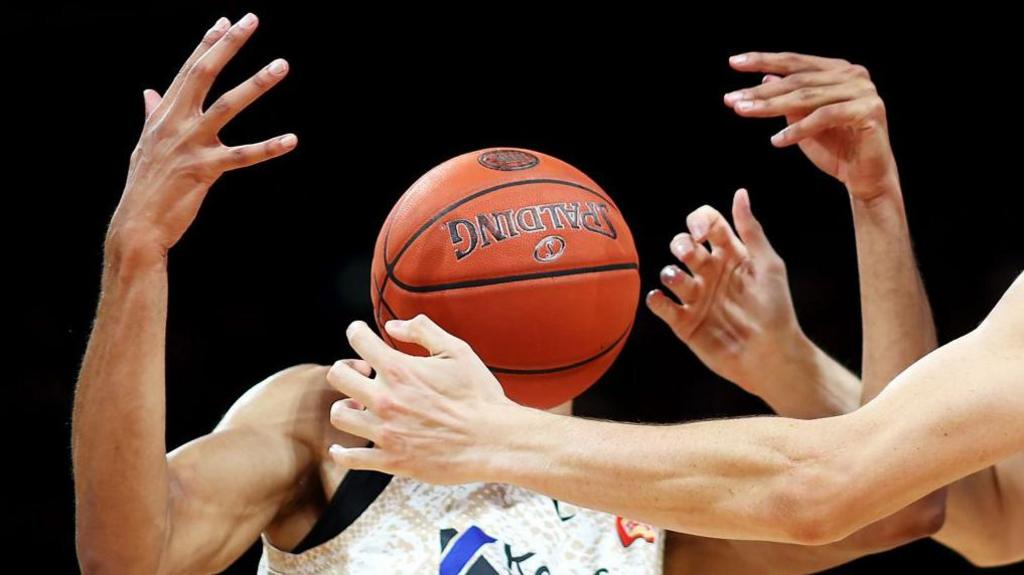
[541,371]
[510,279]
[426,226]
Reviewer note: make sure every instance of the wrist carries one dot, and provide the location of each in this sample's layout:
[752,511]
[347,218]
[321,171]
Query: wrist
[129,249]
[512,440]
[880,192]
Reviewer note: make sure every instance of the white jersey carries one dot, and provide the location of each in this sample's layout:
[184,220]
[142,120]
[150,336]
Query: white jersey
[475,529]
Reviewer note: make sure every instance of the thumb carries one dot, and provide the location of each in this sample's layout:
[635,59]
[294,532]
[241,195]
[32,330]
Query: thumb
[422,331]
[152,99]
[749,228]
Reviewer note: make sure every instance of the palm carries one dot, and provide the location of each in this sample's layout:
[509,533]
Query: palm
[857,155]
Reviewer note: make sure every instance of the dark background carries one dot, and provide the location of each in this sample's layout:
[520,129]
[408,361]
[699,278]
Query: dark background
[277,263]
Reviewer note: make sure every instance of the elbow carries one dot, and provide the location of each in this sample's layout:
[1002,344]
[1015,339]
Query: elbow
[926,518]
[812,508]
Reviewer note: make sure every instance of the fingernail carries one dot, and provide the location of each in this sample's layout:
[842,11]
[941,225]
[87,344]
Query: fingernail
[739,59]
[394,324]
[277,67]
[733,96]
[779,137]
[669,273]
[336,450]
[289,142]
[698,229]
[650,295]
[681,247]
[248,21]
[745,105]
[352,326]
[221,24]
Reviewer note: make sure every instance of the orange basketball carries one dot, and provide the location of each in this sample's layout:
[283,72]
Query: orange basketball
[522,256]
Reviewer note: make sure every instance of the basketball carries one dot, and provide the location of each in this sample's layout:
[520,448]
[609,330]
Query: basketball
[522,256]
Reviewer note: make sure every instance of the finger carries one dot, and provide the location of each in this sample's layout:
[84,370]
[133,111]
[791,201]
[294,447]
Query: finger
[680,283]
[824,118]
[782,63]
[747,226]
[209,39]
[206,69]
[422,331]
[370,346]
[668,311]
[694,255]
[358,422]
[770,78]
[801,100]
[237,157]
[231,103]
[151,99]
[706,223]
[350,382]
[369,458]
[772,88]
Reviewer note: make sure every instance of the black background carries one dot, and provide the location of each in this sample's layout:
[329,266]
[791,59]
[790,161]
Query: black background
[277,262]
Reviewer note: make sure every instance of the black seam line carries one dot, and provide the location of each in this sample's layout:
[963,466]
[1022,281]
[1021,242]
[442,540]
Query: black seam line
[510,279]
[476,195]
[510,371]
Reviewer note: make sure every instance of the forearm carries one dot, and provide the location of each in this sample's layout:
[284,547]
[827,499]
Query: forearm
[986,514]
[118,444]
[773,479]
[698,478]
[898,328]
[686,554]
[813,384]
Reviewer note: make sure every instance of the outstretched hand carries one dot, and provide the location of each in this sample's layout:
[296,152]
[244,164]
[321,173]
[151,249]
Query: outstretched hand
[180,155]
[832,111]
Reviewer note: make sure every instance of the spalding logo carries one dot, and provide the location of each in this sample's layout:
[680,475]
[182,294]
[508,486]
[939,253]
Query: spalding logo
[471,233]
[549,249]
[507,160]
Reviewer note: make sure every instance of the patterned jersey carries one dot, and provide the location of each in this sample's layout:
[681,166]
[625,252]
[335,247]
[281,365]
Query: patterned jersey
[475,529]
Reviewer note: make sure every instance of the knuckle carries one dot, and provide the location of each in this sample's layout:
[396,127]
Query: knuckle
[808,94]
[859,71]
[201,70]
[262,80]
[393,373]
[222,107]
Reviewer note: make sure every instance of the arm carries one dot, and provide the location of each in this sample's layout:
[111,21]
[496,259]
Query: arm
[126,488]
[835,115]
[952,413]
[687,554]
[735,312]
[986,514]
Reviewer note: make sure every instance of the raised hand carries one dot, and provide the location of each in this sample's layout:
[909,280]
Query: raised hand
[833,113]
[180,155]
[735,312]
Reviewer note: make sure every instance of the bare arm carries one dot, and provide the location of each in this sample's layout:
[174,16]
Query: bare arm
[125,487]
[986,514]
[835,116]
[686,554]
[951,414]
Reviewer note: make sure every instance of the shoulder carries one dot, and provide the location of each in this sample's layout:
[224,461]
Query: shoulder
[295,401]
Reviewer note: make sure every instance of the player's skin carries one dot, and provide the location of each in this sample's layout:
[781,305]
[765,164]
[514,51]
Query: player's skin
[984,512]
[741,316]
[985,518]
[950,414]
[265,467]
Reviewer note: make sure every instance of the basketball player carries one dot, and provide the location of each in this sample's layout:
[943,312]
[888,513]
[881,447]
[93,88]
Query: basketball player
[955,412]
[265,471]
